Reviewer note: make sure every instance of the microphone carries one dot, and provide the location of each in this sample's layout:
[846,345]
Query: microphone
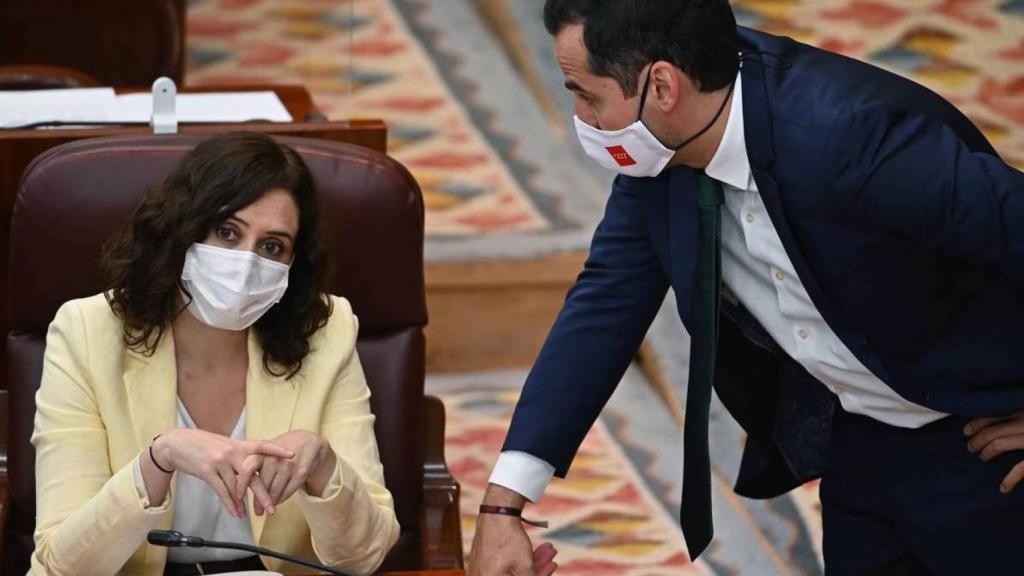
[175,539]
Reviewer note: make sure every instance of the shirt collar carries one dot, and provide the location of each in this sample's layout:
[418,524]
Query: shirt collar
[730,164]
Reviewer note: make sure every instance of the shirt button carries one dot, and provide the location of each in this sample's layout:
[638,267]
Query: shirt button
[750,218]
[803,334]
[780,275]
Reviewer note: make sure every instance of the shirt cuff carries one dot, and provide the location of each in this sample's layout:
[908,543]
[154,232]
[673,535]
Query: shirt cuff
[140,490]
[522,473]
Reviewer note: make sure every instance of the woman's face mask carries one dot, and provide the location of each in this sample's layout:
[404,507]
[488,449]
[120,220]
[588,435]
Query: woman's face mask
[231,289]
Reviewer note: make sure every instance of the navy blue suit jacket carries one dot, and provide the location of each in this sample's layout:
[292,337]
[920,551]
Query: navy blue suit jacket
[904,225]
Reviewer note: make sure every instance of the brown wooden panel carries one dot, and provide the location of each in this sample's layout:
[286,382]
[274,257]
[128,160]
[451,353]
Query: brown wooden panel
[119,42]
[494,314]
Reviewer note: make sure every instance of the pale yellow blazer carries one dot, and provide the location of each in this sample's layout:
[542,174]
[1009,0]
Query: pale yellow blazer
[100,404]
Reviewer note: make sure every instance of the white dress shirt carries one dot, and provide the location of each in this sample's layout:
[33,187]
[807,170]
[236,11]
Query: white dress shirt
[757,270]
[198,510]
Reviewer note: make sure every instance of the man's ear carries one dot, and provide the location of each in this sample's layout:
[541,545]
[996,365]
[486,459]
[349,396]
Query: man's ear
[669,86]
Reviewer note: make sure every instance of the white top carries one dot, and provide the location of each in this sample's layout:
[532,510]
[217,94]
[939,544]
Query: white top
[756,268]
[198,510]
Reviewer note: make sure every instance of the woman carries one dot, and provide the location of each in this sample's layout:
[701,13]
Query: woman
[213,388]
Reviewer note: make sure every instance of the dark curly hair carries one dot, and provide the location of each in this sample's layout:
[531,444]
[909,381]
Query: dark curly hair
[142,264]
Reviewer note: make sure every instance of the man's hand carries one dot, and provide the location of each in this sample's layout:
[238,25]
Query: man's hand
[991,437]
[501,546]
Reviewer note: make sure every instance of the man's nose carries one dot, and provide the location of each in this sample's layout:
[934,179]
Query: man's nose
[586,114]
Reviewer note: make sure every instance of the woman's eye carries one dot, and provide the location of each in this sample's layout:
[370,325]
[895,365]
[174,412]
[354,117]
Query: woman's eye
[272,248]
[224,233]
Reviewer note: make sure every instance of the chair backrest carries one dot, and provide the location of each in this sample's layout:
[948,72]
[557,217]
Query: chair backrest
[119,42]
[74,196]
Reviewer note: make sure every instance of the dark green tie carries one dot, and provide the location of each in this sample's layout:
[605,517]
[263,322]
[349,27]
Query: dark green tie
[695,516]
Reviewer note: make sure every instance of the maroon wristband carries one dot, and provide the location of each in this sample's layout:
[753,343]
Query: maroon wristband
[509,511]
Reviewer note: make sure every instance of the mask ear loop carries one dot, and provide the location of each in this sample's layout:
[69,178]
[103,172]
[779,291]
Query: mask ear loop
[713,120]
[643,94]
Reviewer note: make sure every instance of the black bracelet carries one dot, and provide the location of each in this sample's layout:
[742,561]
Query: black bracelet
[509,511]
[153,458]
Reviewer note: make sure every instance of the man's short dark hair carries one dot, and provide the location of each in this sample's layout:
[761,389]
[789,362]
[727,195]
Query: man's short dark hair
[623,36]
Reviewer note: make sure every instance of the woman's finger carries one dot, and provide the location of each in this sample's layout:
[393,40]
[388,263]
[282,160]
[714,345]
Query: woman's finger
[213,480]
[280,482]
[294,483]
[246,473]
[267,449]
[267,475]
[260,497]
[229,477]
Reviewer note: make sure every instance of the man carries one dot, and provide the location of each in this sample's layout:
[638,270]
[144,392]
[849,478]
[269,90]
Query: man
[847,251]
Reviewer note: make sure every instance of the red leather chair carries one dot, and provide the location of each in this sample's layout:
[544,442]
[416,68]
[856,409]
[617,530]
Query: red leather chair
[72,197]
[43,78]
[119,42]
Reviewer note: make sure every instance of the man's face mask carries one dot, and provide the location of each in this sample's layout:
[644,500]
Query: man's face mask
[634,150]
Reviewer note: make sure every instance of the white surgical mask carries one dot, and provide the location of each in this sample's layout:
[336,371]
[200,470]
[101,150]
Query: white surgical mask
[634,150]
[231,289]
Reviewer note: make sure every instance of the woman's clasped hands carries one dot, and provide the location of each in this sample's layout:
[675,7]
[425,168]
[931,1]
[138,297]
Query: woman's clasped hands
[272,469]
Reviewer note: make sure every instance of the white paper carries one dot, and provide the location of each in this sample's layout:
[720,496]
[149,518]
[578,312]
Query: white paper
[209,107]
[18,108]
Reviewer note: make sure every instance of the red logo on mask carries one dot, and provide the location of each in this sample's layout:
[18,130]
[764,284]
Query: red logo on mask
[621,157]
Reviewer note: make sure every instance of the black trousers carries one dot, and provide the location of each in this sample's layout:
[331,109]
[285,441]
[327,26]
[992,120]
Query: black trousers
[915,502]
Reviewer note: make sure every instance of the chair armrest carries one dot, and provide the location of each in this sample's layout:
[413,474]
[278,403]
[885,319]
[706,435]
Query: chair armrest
[4,505]
[440,520]
[35,77]
[4,490]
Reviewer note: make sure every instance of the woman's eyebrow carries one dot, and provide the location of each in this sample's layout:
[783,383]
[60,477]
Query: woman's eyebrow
[282,234]
[239,220]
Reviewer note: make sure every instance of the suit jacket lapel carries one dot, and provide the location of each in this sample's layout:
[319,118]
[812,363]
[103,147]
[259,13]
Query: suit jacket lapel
[758,134]
[151,386]
[270,405]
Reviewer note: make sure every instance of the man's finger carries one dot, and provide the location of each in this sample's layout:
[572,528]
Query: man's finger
[1001,446]
[1012,479]
[547,569]
[544,553]
[993,432]
[979,424]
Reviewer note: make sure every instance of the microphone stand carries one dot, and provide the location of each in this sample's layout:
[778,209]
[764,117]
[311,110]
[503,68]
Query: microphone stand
[175,539]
